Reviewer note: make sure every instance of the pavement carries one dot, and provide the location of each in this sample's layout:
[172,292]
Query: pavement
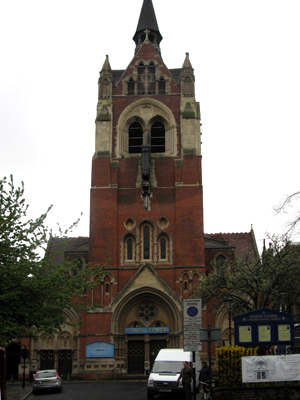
[15,391]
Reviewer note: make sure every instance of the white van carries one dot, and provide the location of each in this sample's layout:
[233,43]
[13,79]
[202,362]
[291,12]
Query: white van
[166,369]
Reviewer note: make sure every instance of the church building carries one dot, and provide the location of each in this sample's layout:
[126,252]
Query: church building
[146,217]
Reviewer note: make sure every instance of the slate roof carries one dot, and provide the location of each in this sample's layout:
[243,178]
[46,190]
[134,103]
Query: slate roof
[243,242]
[176,72]
[117,75]
[147,19]
[60,246]
[239,242]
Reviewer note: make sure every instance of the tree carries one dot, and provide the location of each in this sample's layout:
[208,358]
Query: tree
[271,280]
[34,292]
[283,206]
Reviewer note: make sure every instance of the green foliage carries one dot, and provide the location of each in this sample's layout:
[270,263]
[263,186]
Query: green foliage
[230,364]
[34,292]
[253,282]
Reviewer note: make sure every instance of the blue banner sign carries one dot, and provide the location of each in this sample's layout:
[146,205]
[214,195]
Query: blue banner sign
[99,350]
[151,330]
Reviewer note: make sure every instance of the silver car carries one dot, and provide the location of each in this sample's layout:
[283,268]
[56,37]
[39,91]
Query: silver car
[45,380]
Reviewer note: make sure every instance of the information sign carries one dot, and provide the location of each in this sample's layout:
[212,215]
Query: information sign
[99,350]
[264,333]
[265,327]
[245,333]
[192,322]
[284,333]
[271,368]
[211,335]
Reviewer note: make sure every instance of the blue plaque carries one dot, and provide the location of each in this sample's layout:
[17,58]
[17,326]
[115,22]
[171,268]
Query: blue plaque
[99,350]
[150,330]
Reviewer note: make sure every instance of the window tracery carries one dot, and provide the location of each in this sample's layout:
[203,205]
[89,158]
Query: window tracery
[146,80]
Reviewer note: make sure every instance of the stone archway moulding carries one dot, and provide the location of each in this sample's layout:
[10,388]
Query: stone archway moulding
[146,111]
[153,295]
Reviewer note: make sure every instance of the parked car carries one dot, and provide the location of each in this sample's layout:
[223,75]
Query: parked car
[45,380]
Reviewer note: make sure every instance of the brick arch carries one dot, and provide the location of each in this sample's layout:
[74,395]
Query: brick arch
[109,274]
[182,273]
[146,62]
[198,274]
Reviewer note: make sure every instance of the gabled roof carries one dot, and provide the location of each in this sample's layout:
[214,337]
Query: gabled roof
[243,242]
[58,247]
[212,243]
[146,272]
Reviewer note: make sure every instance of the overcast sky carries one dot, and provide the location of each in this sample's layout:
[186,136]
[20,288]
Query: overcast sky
[245,56]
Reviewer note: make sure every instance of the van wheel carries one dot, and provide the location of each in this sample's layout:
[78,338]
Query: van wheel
[149,396]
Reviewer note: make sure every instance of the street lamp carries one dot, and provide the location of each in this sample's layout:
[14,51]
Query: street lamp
[228,301]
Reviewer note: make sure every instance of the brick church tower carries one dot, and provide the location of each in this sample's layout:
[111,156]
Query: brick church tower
[146,219]
[146,203]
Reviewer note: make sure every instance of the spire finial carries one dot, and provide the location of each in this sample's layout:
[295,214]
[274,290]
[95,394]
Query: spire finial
[147,22]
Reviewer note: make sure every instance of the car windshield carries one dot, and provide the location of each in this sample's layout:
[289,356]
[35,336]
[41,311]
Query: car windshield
[46,375]
[167,366]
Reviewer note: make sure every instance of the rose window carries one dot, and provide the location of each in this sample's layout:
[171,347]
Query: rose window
[146,312]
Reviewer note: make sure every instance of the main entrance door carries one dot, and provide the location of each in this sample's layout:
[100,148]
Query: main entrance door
[155,346]
[47,359]
[136,357]
[64,362]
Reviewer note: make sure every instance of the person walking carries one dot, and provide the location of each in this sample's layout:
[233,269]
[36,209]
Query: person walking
[204,372]
[204,377]
[186,374]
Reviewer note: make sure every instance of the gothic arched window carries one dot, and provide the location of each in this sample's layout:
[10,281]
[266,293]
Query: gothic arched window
[158,137]
[130,85]
[78,265]
[141,78]
[129,249]
[135,133]
[163,248]
[162,85]
[146,243]
[151,78]
[220,260]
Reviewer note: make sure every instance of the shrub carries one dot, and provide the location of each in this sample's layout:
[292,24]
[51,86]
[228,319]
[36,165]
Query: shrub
[230,364]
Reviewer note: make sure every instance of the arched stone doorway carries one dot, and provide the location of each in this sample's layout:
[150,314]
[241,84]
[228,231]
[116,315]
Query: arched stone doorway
[143,322]
[59,350]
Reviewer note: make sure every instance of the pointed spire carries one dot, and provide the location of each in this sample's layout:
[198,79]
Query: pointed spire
[187,63]
[106,66]
[105,80]
[187,78]
[147,27]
